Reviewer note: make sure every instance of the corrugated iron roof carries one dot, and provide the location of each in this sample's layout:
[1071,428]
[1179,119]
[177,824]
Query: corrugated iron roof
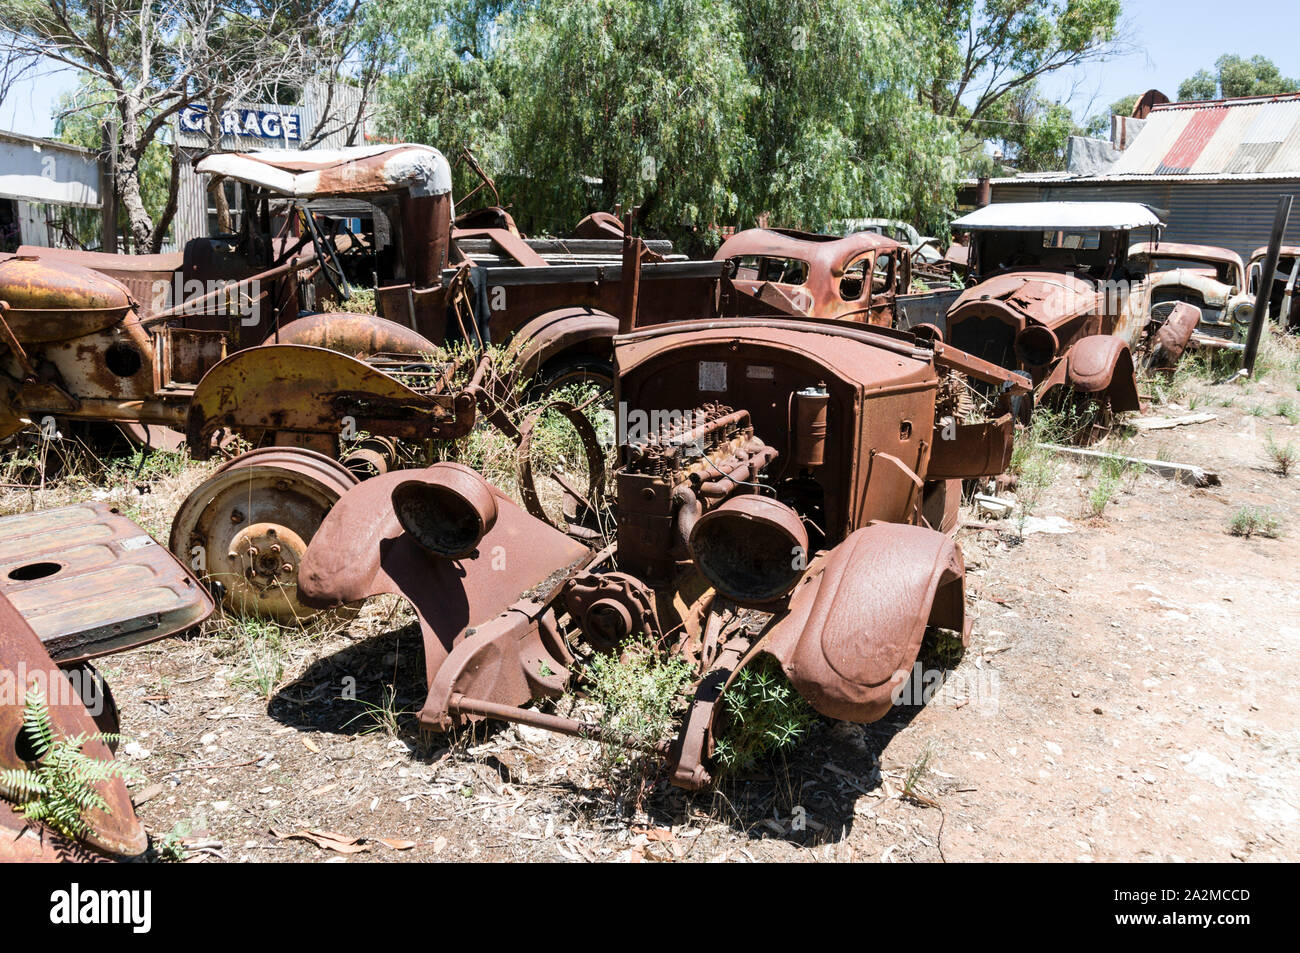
[1256,137]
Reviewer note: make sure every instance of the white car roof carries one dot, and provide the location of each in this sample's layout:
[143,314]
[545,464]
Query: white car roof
[1044,216]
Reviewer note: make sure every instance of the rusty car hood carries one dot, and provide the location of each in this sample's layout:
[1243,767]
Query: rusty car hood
[1037,295]
[872,358]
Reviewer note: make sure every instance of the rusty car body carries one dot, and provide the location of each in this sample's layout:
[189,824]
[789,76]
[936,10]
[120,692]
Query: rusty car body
[854,278]
[799,468]
[78,583]
[1058,298]
[1283,300]
[1209,278]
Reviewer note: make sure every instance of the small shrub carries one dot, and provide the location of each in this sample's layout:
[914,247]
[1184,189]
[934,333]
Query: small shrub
[63,787]
[762,715]
[1110,476]
[637,692]
[1283,455]
[1289,410]
[1250,521]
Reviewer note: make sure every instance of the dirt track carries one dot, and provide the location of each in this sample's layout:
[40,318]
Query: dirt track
[1128,695]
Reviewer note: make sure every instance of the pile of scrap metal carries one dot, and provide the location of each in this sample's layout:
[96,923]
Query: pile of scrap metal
[802,470]
[78,583]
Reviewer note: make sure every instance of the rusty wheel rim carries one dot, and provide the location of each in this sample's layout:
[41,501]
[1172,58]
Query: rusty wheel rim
[247,527]
[591,448]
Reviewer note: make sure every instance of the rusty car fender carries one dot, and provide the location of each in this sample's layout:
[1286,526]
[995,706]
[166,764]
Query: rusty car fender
[853,630]
[296,389]
[1171,340]
[1099,364]
[362,550]
[114,829]
[547,336]
[354,334]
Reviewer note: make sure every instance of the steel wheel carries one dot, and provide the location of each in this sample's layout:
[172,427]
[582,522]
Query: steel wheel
[247,527]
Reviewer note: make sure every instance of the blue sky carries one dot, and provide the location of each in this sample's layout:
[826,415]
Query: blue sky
[1172,42]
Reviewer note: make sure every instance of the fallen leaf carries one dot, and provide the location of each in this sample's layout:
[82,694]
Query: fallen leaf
[324,789]
[328,840]
[311,745]
[655,833]
[152,791]
[397,844]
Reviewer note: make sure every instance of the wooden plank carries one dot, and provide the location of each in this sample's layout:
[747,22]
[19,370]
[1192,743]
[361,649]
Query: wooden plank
[1178,472]
[580,274]
[1166,423]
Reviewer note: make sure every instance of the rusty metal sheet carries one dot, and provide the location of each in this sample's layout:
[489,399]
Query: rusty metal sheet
[971,450]
[23,660]
[91,582]
[291,388]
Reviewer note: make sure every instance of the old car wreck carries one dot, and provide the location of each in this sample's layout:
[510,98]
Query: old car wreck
[797,472]
[1057,296]
[78,583]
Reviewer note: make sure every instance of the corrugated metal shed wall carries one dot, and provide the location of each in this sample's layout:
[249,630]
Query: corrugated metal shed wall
[1231,137]
[1236,215]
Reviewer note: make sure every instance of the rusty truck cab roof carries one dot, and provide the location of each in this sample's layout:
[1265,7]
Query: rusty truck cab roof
[1180,251]
[357,171]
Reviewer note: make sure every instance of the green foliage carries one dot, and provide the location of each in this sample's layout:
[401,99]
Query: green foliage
[703,112]
[624,103]
[1110,476]
[80,116]
[441,87]
[1034,132]
[63,787]
[637,692]
[1252,521]
[762,715]
[1237,76]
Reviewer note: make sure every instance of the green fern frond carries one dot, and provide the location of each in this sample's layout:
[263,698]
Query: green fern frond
[64,787]
[20,785]
[37,724]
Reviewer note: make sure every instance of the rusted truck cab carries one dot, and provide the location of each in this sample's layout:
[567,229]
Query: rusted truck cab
[854,278]
[1057,297]
[776,465]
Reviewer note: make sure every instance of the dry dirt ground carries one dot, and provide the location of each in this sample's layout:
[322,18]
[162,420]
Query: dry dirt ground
[1129,693]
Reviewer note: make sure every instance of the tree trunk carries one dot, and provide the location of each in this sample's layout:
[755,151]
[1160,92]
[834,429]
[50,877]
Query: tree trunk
[127,180]
[169,210]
